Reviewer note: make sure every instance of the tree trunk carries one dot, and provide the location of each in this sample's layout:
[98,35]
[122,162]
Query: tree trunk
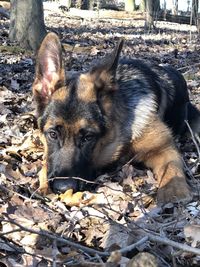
[78,4]
[88,4]
[130,5]
[174,7]
[27,23]
[152,9]
[195,6]
[143,5]
[149,23]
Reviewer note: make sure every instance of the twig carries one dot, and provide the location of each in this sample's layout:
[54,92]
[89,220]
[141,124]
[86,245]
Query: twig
[54,252]
[20,250]
[10,232]
[132,246]
[197,137]
[10,244]
[57,238]
[189,66]
[73,244]
[193,138]
[5,189]
[172,243]
[152,237]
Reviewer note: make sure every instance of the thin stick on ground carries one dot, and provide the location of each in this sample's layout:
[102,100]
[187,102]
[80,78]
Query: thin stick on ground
[174,244]
[132,246]
[189,67]
[193,138]
[152,237]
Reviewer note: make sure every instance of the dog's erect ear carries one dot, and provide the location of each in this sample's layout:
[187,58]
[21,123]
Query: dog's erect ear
[50,74]
[104,73]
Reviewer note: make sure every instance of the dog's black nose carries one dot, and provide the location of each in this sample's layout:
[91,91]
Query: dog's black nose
[60,185]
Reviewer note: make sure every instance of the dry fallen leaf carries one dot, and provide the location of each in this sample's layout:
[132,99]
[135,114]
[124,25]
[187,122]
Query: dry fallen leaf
[192,233]
[71,199]
[125,203]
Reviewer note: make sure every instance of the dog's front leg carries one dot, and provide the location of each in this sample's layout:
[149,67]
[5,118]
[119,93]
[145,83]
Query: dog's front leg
[156,149]
[168,169]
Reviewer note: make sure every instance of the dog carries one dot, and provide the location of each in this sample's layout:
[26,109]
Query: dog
[118,110]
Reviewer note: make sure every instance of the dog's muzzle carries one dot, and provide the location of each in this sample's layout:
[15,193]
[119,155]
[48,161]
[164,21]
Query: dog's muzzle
[61,185]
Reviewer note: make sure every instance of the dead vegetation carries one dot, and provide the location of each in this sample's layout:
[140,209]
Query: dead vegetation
[120,219]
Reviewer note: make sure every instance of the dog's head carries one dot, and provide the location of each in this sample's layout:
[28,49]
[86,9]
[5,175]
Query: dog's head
[75,114]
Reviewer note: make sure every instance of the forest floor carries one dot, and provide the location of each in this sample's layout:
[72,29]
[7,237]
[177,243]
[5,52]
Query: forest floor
[54,230]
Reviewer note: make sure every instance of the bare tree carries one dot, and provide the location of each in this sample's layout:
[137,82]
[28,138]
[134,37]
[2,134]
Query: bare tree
[130,5]
[27,23]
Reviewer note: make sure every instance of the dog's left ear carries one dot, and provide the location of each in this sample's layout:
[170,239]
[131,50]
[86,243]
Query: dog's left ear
[50,74]
[104,74]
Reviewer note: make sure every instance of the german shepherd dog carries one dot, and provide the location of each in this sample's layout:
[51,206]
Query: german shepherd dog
[118,110]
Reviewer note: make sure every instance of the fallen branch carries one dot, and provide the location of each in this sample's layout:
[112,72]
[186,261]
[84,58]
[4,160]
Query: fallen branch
[174,244]
[54,237]
[132,246]
[152,237]
[71,243]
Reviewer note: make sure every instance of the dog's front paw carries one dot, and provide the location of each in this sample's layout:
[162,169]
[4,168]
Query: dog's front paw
[176,190]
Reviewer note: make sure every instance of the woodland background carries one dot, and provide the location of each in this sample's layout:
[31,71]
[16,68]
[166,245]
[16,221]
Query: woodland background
[119,224]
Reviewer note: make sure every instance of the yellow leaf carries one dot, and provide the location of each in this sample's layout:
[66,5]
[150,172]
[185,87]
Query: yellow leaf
[71,199]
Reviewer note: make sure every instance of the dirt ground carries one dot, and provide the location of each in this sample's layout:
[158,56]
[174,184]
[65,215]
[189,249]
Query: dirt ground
[82,230]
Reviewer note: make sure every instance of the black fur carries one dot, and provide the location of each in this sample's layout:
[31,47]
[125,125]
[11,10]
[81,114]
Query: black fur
[135,92]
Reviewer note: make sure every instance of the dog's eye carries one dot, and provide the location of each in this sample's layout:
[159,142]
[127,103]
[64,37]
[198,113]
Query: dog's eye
[52,135]
[87,138]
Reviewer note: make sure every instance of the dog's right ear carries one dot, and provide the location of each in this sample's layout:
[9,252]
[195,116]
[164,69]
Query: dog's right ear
[50,74]
[104,73]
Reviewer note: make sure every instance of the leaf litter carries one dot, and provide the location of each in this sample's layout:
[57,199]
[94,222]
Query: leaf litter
[101,227]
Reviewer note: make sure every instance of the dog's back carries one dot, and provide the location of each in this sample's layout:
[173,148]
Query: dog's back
[145,88]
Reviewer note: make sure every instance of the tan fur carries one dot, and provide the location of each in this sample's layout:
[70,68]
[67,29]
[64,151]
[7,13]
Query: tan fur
[86,90]
[156,149]
[71,128]
[59,121]
[60,94]
[151,143]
